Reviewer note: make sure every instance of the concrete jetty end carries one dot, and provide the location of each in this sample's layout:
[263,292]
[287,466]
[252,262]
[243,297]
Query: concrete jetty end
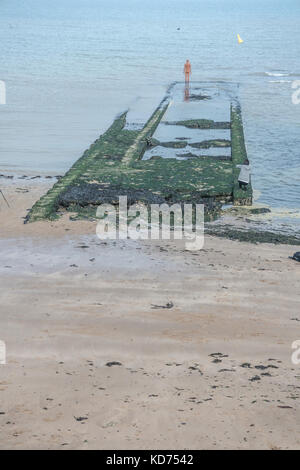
[186,152]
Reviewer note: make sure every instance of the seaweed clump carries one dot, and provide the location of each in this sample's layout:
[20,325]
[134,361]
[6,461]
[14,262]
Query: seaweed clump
[200,124]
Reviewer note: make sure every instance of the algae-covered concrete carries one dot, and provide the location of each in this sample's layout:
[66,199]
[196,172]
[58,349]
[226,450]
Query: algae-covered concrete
[201,170]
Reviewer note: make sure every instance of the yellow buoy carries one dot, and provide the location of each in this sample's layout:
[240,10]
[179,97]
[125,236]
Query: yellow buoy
[240,40]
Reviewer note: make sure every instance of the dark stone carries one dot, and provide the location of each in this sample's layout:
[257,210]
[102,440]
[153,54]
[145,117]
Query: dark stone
[151,142]
[296,256]
[260,210]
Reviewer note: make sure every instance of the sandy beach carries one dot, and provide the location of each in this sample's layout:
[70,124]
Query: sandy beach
[94,361]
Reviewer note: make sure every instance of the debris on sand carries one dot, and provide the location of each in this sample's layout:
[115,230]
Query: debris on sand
[80,418]
[168,305]
[255,378]
[196,368]
[113,363]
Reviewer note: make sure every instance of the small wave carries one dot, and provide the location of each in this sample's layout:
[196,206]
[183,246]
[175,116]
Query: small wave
[277,74]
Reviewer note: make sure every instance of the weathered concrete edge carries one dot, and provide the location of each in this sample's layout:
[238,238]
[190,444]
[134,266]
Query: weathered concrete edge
[238,154]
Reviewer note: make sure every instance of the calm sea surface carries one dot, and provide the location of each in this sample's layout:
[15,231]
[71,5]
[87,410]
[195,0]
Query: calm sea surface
[71,65]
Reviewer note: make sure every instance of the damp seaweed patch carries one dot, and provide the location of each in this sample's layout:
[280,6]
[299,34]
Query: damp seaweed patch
[200,124]
[114,165]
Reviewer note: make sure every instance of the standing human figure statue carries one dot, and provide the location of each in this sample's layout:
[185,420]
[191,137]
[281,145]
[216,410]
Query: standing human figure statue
[187,70]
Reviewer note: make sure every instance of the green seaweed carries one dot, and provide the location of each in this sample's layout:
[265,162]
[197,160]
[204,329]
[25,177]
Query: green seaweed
[206,144]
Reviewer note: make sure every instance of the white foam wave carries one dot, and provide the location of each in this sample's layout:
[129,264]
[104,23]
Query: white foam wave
[277,74]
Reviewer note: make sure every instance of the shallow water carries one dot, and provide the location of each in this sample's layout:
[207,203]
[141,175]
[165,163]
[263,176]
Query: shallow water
[185,105]
[71,66]
[179,154]
[167,133]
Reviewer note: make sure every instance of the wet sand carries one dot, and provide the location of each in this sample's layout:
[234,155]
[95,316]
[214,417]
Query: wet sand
[213,371]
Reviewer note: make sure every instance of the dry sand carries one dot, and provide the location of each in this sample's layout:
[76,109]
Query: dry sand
[214,371]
